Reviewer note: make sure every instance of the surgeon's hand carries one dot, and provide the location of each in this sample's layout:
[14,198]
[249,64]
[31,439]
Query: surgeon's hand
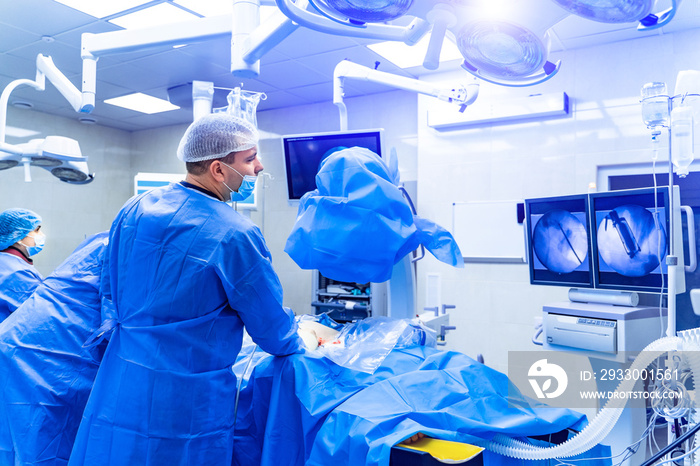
[309,337]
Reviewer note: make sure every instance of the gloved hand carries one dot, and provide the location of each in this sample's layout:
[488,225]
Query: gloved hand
[315,334]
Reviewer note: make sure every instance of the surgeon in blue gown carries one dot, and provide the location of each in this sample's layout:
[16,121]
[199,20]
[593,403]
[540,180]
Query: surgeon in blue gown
[45,373]
[20,239]
[185,273]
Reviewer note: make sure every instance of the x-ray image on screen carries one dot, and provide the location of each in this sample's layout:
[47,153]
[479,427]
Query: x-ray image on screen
[560,241]
[631,240]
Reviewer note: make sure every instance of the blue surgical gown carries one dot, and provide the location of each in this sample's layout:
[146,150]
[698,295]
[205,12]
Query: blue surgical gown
[185,273]
[45,373]
[18,280]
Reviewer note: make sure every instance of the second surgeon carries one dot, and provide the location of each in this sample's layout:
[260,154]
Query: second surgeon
[184,273]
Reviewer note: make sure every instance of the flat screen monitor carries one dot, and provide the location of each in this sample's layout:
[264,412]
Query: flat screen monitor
[303,154]
[630,239]
[558,241]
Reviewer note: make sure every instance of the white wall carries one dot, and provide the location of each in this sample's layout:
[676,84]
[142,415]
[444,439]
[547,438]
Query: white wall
[496,304]
[70,213]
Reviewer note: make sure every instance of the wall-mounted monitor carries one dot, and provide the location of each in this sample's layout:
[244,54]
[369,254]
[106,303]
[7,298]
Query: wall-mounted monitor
[558,241]
[612,240]
[630,239]
[303,154]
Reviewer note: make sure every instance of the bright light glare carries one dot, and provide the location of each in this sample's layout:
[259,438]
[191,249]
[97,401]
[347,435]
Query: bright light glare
[142,103]
[101,9]
[406,56]
[221,7]
[163,13]
[16,132]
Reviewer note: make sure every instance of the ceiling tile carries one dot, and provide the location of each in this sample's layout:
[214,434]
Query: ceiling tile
[325,63]
[175,67]
[66,58]
[304,42]
[42,17]
[315,93]
[19,68]
[289,74]
[11,37]
[280,99]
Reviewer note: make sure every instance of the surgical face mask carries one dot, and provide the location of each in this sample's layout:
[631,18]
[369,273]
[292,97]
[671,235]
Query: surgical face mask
[39,241]
[245,189]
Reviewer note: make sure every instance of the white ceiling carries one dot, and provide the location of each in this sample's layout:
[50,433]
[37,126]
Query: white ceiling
[298,71]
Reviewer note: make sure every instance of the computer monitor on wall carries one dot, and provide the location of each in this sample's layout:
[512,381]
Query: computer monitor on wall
[558,241]
[303,154]
[614,240]
[630,239]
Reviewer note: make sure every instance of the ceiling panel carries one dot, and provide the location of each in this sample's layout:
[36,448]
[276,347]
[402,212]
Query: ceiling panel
[65,57]
[304,42]
[11,37]
[42,17]
[290,74]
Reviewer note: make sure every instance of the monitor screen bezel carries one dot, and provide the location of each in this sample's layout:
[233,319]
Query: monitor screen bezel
[377,132]
[663,193]
[531,253]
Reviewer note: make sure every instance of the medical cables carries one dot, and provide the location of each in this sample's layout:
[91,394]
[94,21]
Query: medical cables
[606,419]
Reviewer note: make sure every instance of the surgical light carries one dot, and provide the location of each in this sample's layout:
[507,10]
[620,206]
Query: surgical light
[608,11]
[363,11]
[511,48]
[503,50]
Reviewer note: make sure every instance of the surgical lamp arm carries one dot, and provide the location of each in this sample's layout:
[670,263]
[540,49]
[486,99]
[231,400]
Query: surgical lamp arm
[409,34]
[81,102]
[4,99]
[462,96]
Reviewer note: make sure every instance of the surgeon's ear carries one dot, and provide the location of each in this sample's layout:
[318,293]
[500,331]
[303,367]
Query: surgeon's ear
[216,171]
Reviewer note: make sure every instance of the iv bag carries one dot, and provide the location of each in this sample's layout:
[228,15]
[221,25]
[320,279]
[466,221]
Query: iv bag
[243,104]
[682,139]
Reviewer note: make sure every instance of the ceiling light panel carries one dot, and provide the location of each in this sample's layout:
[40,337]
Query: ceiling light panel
[142,103]
[158,15]
[101,9]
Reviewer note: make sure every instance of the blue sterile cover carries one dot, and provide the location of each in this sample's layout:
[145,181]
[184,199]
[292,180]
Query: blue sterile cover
[356,225]
[306,410]
[45,373]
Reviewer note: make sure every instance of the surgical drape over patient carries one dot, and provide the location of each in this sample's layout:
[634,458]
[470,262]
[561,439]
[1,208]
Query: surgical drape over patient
[356,225]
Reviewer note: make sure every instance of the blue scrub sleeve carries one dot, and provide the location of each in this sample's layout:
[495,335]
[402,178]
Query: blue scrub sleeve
[17,288]
[255,292]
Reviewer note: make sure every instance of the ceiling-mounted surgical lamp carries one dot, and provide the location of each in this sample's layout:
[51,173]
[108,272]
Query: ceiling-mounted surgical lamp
[58,155]
[511,46]
[621,11]
[362,11]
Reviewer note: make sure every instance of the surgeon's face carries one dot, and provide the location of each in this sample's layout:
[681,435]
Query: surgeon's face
[245,162]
